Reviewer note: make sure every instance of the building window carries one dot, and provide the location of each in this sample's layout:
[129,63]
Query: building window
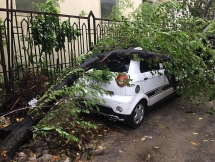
[31,5]
[106,7]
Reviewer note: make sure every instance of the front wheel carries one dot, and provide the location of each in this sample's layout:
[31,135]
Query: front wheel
[136,117]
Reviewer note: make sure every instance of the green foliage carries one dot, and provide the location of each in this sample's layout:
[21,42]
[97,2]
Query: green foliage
[50,7]
[45,129]
[122,11]
[82,13]
[48,34]
[64,118]
[2,30]
[1,22]
[170,29]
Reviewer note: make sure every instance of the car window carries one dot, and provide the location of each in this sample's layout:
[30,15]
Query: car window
[117,65]
[148,66]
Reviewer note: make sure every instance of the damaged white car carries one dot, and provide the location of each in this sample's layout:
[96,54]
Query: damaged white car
[151,85]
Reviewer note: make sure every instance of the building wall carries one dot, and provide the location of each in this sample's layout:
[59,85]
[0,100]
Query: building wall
[136,3]
[2,5]
[74,7]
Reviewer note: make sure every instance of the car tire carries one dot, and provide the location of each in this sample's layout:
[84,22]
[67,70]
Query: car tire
[137,115]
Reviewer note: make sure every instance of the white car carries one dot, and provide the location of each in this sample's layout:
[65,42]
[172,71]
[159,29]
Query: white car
[151,85]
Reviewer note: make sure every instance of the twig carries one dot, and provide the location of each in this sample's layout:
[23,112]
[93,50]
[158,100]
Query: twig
[32,87]
[15,103]
[106,56]
[21,109]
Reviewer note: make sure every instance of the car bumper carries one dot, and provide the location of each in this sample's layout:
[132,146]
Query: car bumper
[115,104]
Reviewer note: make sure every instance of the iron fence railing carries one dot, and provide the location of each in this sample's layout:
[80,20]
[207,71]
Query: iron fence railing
[20,52]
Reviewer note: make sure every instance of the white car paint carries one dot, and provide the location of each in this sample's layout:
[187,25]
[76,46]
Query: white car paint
[127,98]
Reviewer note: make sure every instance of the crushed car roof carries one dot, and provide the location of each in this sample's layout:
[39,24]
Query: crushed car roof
[120,53]
[133,51]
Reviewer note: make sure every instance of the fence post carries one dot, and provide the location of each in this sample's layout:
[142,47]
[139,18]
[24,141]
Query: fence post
[12,46]
[8,43]
[89,29]
[7,86]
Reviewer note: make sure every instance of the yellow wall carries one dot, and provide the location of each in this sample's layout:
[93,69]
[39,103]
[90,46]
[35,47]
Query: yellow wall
[74,7]
[137,3]
[2,5]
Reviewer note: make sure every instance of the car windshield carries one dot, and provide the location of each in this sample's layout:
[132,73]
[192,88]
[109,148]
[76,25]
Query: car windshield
[117,65]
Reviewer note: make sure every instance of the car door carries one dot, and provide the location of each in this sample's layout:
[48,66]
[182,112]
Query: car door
[154,81]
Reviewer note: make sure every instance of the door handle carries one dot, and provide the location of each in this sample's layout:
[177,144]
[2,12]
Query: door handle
[146,78]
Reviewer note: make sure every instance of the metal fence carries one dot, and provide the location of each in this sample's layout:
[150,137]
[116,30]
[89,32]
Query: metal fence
[20,52]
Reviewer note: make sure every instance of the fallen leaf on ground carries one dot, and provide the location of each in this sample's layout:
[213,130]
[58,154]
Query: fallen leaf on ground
[120,151]
[22,154]
[4,153]
[79,147]
[32,154]
[142,139]
[193,143]
[156,147]
[4,122]
[67,160]
[55,158]
[195,133]
[148,157]
[19,119]
[148,136]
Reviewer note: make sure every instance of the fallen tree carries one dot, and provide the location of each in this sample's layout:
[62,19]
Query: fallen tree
[21,132]
[150,31]
[17,133]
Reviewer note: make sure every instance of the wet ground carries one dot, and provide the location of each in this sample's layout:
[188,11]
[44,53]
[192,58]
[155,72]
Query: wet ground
[175,131]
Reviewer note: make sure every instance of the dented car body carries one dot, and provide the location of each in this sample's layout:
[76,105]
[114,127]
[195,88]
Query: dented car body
[149,83]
